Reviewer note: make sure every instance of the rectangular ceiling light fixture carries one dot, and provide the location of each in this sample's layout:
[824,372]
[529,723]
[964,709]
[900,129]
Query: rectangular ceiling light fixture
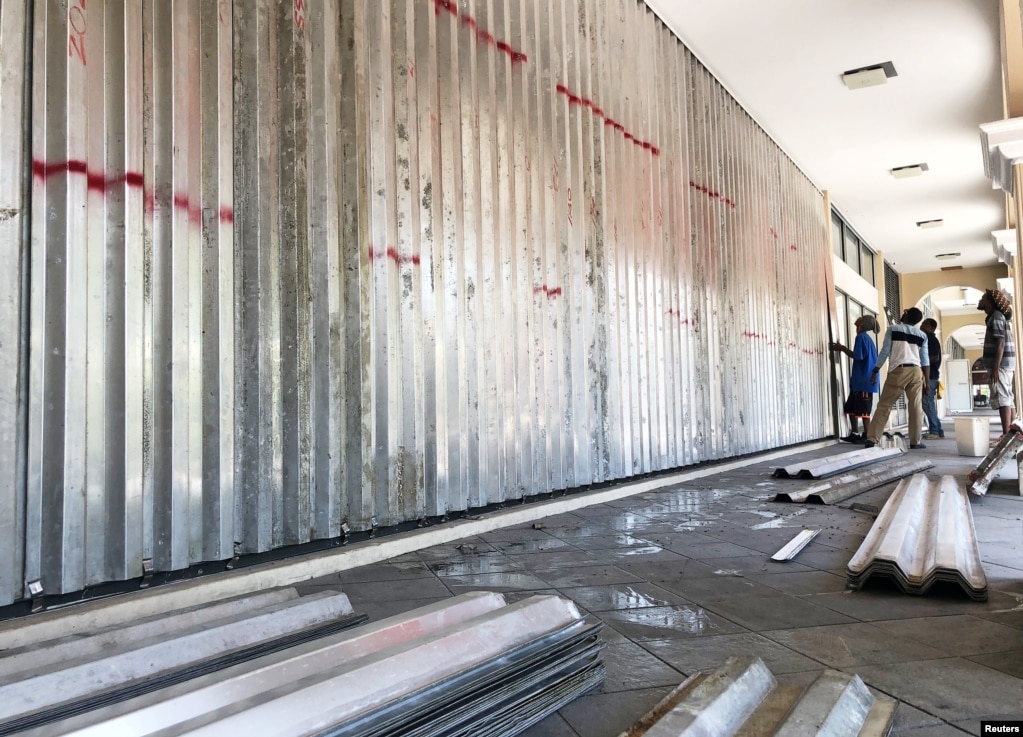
[871,76]
[930,223]
[948,256]
[914,170]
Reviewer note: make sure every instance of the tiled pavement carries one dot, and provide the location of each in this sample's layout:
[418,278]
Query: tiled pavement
[682,579]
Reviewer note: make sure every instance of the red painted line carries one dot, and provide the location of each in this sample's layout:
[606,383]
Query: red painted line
[516,56]
[712,194]
[99,182]
[392,254]
[551,292]
[574,99]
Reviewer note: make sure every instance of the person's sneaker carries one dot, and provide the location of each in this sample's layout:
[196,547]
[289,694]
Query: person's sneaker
[869,443]
[927,435]
[917,446]
[852,438]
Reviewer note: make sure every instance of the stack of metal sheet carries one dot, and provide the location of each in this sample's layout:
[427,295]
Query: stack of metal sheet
[840,488]
[743,697]
[472,665]
[923,535]
[51,679]
[819,468]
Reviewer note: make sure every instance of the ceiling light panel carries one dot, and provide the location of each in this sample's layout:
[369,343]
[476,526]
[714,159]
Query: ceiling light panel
[930,223]
[871,76]
[913,170]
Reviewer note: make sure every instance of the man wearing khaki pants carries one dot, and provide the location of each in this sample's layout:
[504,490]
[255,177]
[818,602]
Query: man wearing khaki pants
[906,344]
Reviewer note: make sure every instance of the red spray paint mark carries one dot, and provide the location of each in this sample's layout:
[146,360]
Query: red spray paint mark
[300,14]
[551,292]
[774,233]
[681,320]
[76,28]
[714,195]
[574,99]
[101,183]
[793,247]
[391,253]
[451,7]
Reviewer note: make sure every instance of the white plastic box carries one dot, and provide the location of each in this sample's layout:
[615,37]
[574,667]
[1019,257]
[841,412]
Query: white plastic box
[973,435]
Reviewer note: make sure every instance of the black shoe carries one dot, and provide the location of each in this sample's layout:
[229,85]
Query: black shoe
[917,446]
[869,443]
[852,438]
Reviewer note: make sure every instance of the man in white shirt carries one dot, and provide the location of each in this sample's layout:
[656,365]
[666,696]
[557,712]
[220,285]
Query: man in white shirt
[906,344]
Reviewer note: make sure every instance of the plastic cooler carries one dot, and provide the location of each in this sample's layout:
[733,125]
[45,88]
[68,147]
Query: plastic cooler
[973,435]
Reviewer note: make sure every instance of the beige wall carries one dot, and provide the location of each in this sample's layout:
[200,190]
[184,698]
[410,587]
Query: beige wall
[948,324]
[916,286]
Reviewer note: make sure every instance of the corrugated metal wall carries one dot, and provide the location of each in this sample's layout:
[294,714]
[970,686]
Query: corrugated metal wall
[308,262]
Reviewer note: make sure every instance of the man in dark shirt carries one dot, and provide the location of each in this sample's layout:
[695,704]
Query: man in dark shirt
[934,428]
[999,354]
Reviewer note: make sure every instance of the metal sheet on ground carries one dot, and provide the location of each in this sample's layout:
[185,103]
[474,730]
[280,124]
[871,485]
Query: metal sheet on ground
[849,485]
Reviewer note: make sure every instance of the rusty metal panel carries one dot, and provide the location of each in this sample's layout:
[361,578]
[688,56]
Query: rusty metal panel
[312,263]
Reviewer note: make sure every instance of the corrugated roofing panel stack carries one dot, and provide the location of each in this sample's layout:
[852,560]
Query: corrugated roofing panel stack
[924,534]
[52,679]
[819,468]
[472,665]
[743,697]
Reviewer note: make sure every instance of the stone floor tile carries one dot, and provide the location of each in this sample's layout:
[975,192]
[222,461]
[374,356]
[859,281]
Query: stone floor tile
[553,726]
[777,611]
[622,596]
[586,576]
[1008,661]
[631,667]
[710,653]
[386,571]
[668,622]
[510,581]
[953,689]
[850,645]
[957,634]
[412,588]
[610,714]
[799,583]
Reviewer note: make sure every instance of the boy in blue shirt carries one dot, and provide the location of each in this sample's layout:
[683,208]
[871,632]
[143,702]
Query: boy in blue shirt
[863,383]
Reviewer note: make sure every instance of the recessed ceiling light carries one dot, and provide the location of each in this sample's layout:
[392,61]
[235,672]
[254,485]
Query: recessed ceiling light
[875,74]
[930,223]
[914,170]
[950,268]
[948,256]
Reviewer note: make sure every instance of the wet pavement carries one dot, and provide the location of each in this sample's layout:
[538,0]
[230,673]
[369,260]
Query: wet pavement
[682,579]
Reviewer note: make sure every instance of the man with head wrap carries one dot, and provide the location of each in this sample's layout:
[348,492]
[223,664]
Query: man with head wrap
[999,354]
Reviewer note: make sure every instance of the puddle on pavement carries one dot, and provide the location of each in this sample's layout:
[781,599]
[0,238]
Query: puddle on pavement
[679,618]
[627,597]
[473,566]
[778,522]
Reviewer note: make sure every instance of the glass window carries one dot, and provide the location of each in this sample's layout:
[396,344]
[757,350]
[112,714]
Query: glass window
[836,234]
[867,263]
[852,250]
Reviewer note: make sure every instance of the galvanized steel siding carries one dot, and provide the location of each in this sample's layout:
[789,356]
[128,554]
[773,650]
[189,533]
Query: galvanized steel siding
[308,262]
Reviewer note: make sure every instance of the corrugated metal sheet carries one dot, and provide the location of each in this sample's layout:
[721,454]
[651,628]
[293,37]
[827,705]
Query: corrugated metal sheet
[299,263]
[1006,449]
[13,291]
[819,468]
[923,535]
[469,665]
[848,485]
[743,697]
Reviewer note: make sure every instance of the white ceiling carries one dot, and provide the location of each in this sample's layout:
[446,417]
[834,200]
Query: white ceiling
[783,60]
